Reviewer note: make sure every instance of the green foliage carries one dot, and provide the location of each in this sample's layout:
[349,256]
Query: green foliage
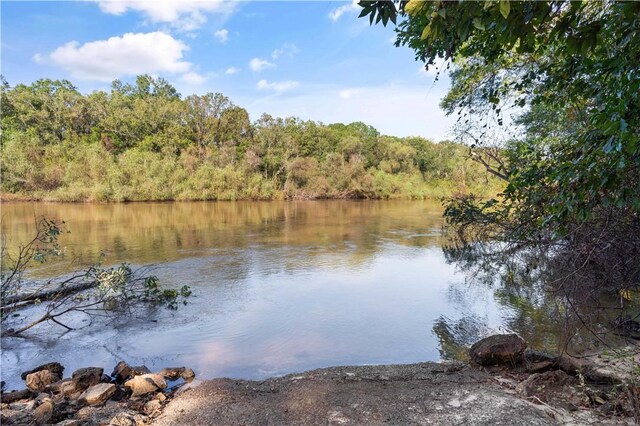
[144,142]
[568,74]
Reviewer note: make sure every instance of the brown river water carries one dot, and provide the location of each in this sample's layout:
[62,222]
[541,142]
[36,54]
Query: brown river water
[278,287]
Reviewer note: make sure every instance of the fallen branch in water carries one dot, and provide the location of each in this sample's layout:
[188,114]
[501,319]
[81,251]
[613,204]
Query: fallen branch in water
[98,291]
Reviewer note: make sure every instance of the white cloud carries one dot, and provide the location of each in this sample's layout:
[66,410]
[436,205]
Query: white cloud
[130,54]
[278,87]
[38,58]
[287,49]
[259,64]
[186,15]
[336,13]
[232,71]
[193,78]
[347,93]
[221,35]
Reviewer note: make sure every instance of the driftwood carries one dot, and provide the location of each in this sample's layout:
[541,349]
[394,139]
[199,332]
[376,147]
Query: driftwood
[64,288]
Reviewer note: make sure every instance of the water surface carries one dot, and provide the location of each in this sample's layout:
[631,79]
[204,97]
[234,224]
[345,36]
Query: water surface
[278,286]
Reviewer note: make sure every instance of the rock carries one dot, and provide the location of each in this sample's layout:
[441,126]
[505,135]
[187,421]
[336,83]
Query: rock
[86,377]
[145,384]
[152,406]
[122,419]
[68,387]
[121,372]
[498,349]
[98,394]
[172,373]
[127,419]
[160,396]
[56,387]
[69,422]
[14,396]
[188,375]
[540,367]
[54,367]
[39,380]
[136,404]
[43,412]
[120,394]
[140,370]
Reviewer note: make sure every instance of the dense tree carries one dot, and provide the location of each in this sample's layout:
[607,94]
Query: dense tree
[142,141]
[569,73]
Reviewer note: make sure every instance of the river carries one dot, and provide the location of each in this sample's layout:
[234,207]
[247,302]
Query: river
[277,287]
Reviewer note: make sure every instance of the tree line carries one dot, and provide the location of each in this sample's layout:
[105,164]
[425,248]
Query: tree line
[144,141]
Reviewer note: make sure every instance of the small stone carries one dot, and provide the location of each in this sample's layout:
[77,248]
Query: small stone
[145,384]
[122,419]
[43,412]
[172,373]
[98,394]
[188,375]
[14,396]
[69,422]
[498,349]
[54,367]
[86,377]
[160,396]
[141,420]
[68,387]
[140,370]
[121,371]
[39,380]
[135,404]
[152,406]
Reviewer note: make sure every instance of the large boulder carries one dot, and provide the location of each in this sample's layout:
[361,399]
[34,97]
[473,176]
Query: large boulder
[39,380]
[84,378]
[98,394]
[146,384]
[498,349]
[54,367]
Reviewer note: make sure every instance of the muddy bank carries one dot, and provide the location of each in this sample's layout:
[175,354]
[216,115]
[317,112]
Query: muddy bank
[425,393]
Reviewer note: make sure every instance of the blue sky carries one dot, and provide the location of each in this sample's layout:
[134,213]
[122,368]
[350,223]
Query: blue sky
[311,59]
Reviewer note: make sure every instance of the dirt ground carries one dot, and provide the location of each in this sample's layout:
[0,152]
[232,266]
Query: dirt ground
[425,394]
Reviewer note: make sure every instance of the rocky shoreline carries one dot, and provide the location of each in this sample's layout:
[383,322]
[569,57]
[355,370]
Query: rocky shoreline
[506,383]
[130,396]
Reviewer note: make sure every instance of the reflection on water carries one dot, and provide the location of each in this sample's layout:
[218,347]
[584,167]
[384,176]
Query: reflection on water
[279,286]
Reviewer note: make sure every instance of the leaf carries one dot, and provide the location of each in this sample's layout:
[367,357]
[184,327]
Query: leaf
[478,24]
[426,32]
[442,12]
[505,8]
[413,7]
[623,125]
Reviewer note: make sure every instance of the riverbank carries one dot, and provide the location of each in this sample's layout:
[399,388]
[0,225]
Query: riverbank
[506,385]
[425,393]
